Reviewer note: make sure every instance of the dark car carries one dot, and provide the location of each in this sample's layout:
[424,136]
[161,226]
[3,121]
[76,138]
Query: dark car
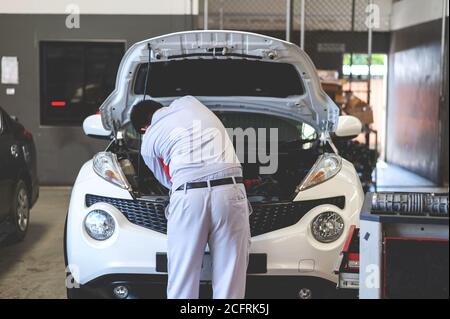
[19,187]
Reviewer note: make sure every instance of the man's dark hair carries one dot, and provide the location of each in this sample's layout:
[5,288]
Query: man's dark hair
[142,113]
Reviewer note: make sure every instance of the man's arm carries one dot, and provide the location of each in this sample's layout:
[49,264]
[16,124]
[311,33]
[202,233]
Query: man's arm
[156,165]
[154,162]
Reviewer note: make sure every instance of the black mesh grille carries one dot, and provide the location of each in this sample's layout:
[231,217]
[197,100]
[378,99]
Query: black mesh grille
[265,217]
[146,214]
[270,217]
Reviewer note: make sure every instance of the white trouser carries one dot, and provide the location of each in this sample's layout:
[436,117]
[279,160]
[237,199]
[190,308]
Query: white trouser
[217,216]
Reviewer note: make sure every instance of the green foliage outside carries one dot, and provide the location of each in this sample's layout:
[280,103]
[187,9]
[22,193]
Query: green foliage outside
[362,59]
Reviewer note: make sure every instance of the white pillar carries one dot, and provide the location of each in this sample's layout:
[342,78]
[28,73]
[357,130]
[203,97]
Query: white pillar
[288,20]
[205,14]
[302,24]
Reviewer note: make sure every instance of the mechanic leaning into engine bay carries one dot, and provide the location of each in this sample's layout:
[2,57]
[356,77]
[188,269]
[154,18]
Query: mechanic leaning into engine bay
[189,151]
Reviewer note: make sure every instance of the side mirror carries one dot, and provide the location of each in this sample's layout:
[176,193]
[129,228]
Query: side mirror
[348,126]
[93,127]
[15,118]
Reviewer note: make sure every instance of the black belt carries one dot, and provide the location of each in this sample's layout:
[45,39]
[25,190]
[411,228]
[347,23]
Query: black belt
[214,182]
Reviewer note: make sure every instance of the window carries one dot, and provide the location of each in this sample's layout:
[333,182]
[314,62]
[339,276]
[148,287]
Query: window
[357,65]
[215,77]
[356,72]
[76,77]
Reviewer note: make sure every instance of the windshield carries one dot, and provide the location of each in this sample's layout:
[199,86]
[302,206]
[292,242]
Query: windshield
[218,77]
[291,134]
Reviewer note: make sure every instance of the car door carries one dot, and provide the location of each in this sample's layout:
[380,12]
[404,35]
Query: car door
[8,159]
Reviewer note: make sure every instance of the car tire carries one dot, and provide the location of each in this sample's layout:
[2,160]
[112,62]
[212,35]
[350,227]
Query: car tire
[20,213]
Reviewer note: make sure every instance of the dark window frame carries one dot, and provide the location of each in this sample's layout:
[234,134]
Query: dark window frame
[46,118]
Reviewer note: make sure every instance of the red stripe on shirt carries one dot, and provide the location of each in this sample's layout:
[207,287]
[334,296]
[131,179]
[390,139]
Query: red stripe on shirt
[165,168]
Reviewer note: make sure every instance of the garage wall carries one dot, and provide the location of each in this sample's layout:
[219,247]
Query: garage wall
[445,122]
[415,114]
[62,150]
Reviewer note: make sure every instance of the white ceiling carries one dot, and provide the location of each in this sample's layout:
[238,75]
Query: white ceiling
[100,6]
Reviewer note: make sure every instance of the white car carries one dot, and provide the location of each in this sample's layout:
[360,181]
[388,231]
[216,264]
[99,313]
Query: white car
[115,239]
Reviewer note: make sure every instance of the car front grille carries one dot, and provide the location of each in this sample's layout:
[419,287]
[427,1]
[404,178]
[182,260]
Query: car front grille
[270,217]
[143,213]
[265,217]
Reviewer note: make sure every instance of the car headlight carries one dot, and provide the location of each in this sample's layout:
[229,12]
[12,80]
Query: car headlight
[99,224]
[326,167]
[107,167]
[327,227]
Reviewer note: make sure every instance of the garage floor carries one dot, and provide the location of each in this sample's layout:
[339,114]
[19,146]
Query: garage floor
[35,267]
[392,178]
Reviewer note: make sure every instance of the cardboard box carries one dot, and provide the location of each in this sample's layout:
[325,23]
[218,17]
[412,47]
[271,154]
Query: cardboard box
[360,109]
[332,87]
[334,91]
[355,103]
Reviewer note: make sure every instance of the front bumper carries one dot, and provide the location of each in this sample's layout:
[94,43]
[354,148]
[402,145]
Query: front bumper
[141,286]
[291,250]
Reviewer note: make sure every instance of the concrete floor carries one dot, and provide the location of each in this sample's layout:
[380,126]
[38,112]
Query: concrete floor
[34,268]
[392,178]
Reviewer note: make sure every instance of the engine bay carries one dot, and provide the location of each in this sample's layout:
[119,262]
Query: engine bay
[262,188]
[297,150]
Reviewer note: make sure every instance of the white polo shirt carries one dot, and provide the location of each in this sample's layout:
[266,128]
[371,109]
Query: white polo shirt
[186,142]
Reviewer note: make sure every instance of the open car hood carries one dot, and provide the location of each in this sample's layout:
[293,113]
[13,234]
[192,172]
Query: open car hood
[313,106]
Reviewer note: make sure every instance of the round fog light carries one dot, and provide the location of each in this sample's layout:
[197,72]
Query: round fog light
[121,292]
[99,224]
[327,227]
